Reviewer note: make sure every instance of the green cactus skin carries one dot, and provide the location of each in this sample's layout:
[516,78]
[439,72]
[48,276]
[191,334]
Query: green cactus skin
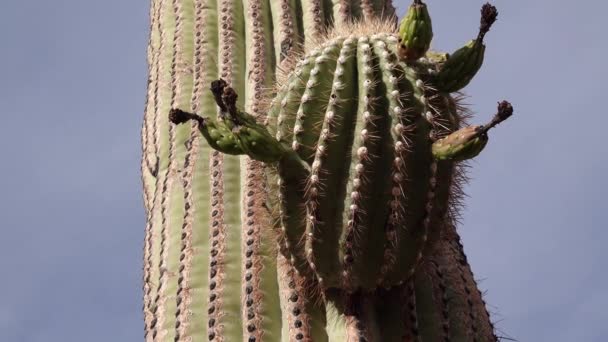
[415,32]
[211,267]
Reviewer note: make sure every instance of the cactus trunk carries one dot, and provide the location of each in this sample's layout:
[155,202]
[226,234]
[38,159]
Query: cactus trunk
[314,248]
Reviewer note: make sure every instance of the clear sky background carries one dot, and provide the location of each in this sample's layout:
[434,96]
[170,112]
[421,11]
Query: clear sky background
[72,91]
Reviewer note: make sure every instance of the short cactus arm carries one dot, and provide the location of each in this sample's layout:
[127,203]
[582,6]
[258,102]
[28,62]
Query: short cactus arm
[464,63]
[468,142]
[238,133]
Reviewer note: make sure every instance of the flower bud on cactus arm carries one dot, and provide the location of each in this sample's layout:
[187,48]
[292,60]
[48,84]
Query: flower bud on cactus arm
[415,32]
[468,142]
[463,65]
[236,132]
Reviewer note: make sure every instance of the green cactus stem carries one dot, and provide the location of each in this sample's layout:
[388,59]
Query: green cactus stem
[467,143]
[464,63]
[415,32]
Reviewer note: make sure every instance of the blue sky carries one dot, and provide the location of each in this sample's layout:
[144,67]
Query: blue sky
[72,87]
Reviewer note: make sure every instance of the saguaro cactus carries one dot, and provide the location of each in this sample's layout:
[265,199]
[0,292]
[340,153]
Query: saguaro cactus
[338,225]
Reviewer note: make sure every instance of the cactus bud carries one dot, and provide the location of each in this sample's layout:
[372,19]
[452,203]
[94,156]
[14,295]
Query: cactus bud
[468,142]
[463,65]
[415,32]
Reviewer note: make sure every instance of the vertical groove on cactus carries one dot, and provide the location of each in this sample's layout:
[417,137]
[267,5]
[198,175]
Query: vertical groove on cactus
[403,127]
[342,10]
[263,318]
[193,290]
[172,205]
[167,24]
[302,318]
[215,308]
[149,145]
[287,35]
[152,237]
[364,185]
[228,323]
[313,18]
[410,312]
[326,188]
[148,163]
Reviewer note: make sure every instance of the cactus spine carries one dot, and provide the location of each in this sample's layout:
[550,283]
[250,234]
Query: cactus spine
[212,266]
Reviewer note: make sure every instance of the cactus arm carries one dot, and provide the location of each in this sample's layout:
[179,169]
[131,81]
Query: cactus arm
[468,142]
[218,135]
[463,65]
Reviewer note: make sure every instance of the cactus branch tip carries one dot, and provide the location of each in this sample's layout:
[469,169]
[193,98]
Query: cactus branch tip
[178,116]
[489,13]
[505,111]
[217,89]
